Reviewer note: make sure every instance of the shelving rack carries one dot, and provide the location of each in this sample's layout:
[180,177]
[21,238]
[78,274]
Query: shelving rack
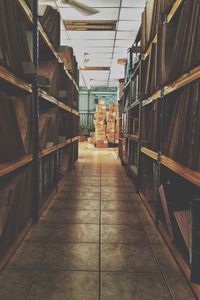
[39,161]
[153,165]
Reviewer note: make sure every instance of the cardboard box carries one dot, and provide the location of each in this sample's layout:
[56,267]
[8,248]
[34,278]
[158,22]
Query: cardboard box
[102,144]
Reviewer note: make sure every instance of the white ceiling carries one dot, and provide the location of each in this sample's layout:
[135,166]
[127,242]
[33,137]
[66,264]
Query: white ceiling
[104,47]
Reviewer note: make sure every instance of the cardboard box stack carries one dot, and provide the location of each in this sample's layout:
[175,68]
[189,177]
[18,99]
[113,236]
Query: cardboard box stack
[100,124]
[112,118]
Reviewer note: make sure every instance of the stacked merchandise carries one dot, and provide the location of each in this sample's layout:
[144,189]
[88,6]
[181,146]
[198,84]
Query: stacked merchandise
[100,125]
[112,119]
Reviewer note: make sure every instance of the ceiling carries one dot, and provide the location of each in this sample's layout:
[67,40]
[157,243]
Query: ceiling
[103,47]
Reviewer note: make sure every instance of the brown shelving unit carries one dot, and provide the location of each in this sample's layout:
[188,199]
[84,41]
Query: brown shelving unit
[35,172]
[159,160]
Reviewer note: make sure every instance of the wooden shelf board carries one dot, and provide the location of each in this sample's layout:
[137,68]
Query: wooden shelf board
[173,10]
[75,139]
[134,104]
[65,143]
[149,153]
[44,95]
[64,106]
[75,112]
[152,98]
[188,174]
[12,79]
[134,137]
[10,167]
[154,41]
[47,151]
[185,79]
[26,9]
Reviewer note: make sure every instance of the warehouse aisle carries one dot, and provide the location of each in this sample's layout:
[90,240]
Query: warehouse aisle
[96,241]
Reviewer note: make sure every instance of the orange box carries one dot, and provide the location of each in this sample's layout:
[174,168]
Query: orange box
[102,144]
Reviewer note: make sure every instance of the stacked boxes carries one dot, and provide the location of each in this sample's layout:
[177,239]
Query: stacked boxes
[106,124]
[112,130]
[100,124]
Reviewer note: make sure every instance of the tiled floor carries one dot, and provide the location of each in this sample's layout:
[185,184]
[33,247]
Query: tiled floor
[95,242]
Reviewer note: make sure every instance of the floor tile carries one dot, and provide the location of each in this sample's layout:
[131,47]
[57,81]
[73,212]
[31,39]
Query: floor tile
[23,257]
[79,196]
[121,234]
[115,196]
[131,258]
[76,204]
[81,189]
[119,218]
[117,205]
[72,256]
[129,286]
[40,232]
[116,189]
[61,285]
[70,216]
[14,284]
[76,233]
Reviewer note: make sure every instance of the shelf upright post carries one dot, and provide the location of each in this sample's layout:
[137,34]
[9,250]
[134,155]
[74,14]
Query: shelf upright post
[140,126]
[159,147]
[35,207]
[57,150]
[195,240]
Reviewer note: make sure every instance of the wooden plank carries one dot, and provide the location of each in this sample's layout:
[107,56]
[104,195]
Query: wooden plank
[149,153]
[75,139]
[185,79]
[12,79]
[47,151]
[152,98]
[11,167]
[26,9]
[188,174]
[173,10]
[75,112]
[65,143]
[45,96]
[64,106]
[154,41]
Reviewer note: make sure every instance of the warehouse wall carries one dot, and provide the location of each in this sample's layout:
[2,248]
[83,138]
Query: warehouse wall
[87,105]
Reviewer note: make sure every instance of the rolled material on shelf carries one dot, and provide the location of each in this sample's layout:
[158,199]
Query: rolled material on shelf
[149,126]
[65,123]
[51,24]
[48,128]
[183,219]
[15,207]
[15,127]
[182,126]
[14,48]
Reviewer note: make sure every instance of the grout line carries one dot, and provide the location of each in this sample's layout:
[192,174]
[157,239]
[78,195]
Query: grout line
[100,238]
